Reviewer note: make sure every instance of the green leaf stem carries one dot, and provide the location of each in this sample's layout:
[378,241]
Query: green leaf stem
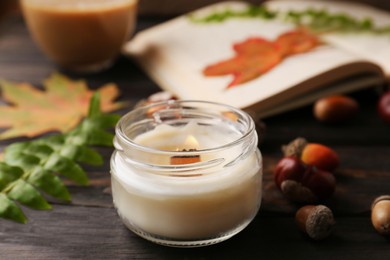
[33,169]
[252,11]
[318,20]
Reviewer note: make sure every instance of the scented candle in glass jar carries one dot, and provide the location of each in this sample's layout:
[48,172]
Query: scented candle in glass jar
[186,173]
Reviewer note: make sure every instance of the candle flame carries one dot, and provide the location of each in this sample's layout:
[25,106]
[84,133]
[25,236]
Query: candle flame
[190,145]
[191,142]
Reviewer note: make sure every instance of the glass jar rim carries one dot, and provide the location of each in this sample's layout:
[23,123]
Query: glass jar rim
[120,133]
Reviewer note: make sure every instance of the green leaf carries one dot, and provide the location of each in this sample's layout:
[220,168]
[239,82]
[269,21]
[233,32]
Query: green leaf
[318,20]
[81,154]
[253,11]
[10,210]
[94,105]
[49,183]
[90,156]
[55,142]
[14,151]
[67,168]
[24,161]
[26,194]
[31,167]
[16,147]
[100,137]
[103,121]
[42,151]
[8,174]
[77,137]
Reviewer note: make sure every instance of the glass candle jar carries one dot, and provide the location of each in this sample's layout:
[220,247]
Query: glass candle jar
[186,173]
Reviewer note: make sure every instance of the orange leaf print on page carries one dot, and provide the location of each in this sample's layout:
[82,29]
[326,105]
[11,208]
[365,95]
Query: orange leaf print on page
[296,41]
[255,56]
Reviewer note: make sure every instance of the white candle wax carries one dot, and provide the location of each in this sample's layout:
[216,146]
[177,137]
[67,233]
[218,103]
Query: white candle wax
[222,199]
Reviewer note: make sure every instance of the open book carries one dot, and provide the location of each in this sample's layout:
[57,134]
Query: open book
[265,65]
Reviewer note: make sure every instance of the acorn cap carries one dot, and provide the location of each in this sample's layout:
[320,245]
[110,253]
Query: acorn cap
[295,191]
[380,198]
[319,223]
[295,147]
[380,217]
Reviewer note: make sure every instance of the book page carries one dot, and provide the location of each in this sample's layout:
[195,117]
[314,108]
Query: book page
[176,53]
[370,46]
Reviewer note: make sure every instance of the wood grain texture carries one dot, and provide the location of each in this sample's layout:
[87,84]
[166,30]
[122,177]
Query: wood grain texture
[89,227]
[97,233]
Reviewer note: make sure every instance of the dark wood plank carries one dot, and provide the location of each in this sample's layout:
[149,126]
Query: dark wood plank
[97,233]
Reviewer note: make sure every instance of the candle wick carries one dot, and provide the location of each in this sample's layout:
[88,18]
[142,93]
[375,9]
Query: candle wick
[185,159]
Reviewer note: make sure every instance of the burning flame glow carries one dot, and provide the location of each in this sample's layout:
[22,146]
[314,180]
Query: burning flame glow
[191,142]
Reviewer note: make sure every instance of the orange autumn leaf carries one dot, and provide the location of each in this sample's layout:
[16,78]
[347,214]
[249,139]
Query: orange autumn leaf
[60,107]
[255,56]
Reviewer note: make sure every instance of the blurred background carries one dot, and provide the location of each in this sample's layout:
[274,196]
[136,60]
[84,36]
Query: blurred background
[174,7]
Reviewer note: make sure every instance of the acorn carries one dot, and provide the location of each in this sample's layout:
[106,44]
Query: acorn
[316,222]
[380,214]
[384,107]
[319,155]
[335,109]
[303,183]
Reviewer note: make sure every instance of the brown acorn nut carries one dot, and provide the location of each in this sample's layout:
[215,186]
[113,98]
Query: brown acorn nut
[303,183]
[315,221]
[384,107]
[335,109]
[380,215]
[319,155]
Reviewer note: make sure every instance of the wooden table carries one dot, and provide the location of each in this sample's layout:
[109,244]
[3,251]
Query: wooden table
[89,227]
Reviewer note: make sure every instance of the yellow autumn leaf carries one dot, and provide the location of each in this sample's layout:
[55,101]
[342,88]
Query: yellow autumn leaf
[59,107]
